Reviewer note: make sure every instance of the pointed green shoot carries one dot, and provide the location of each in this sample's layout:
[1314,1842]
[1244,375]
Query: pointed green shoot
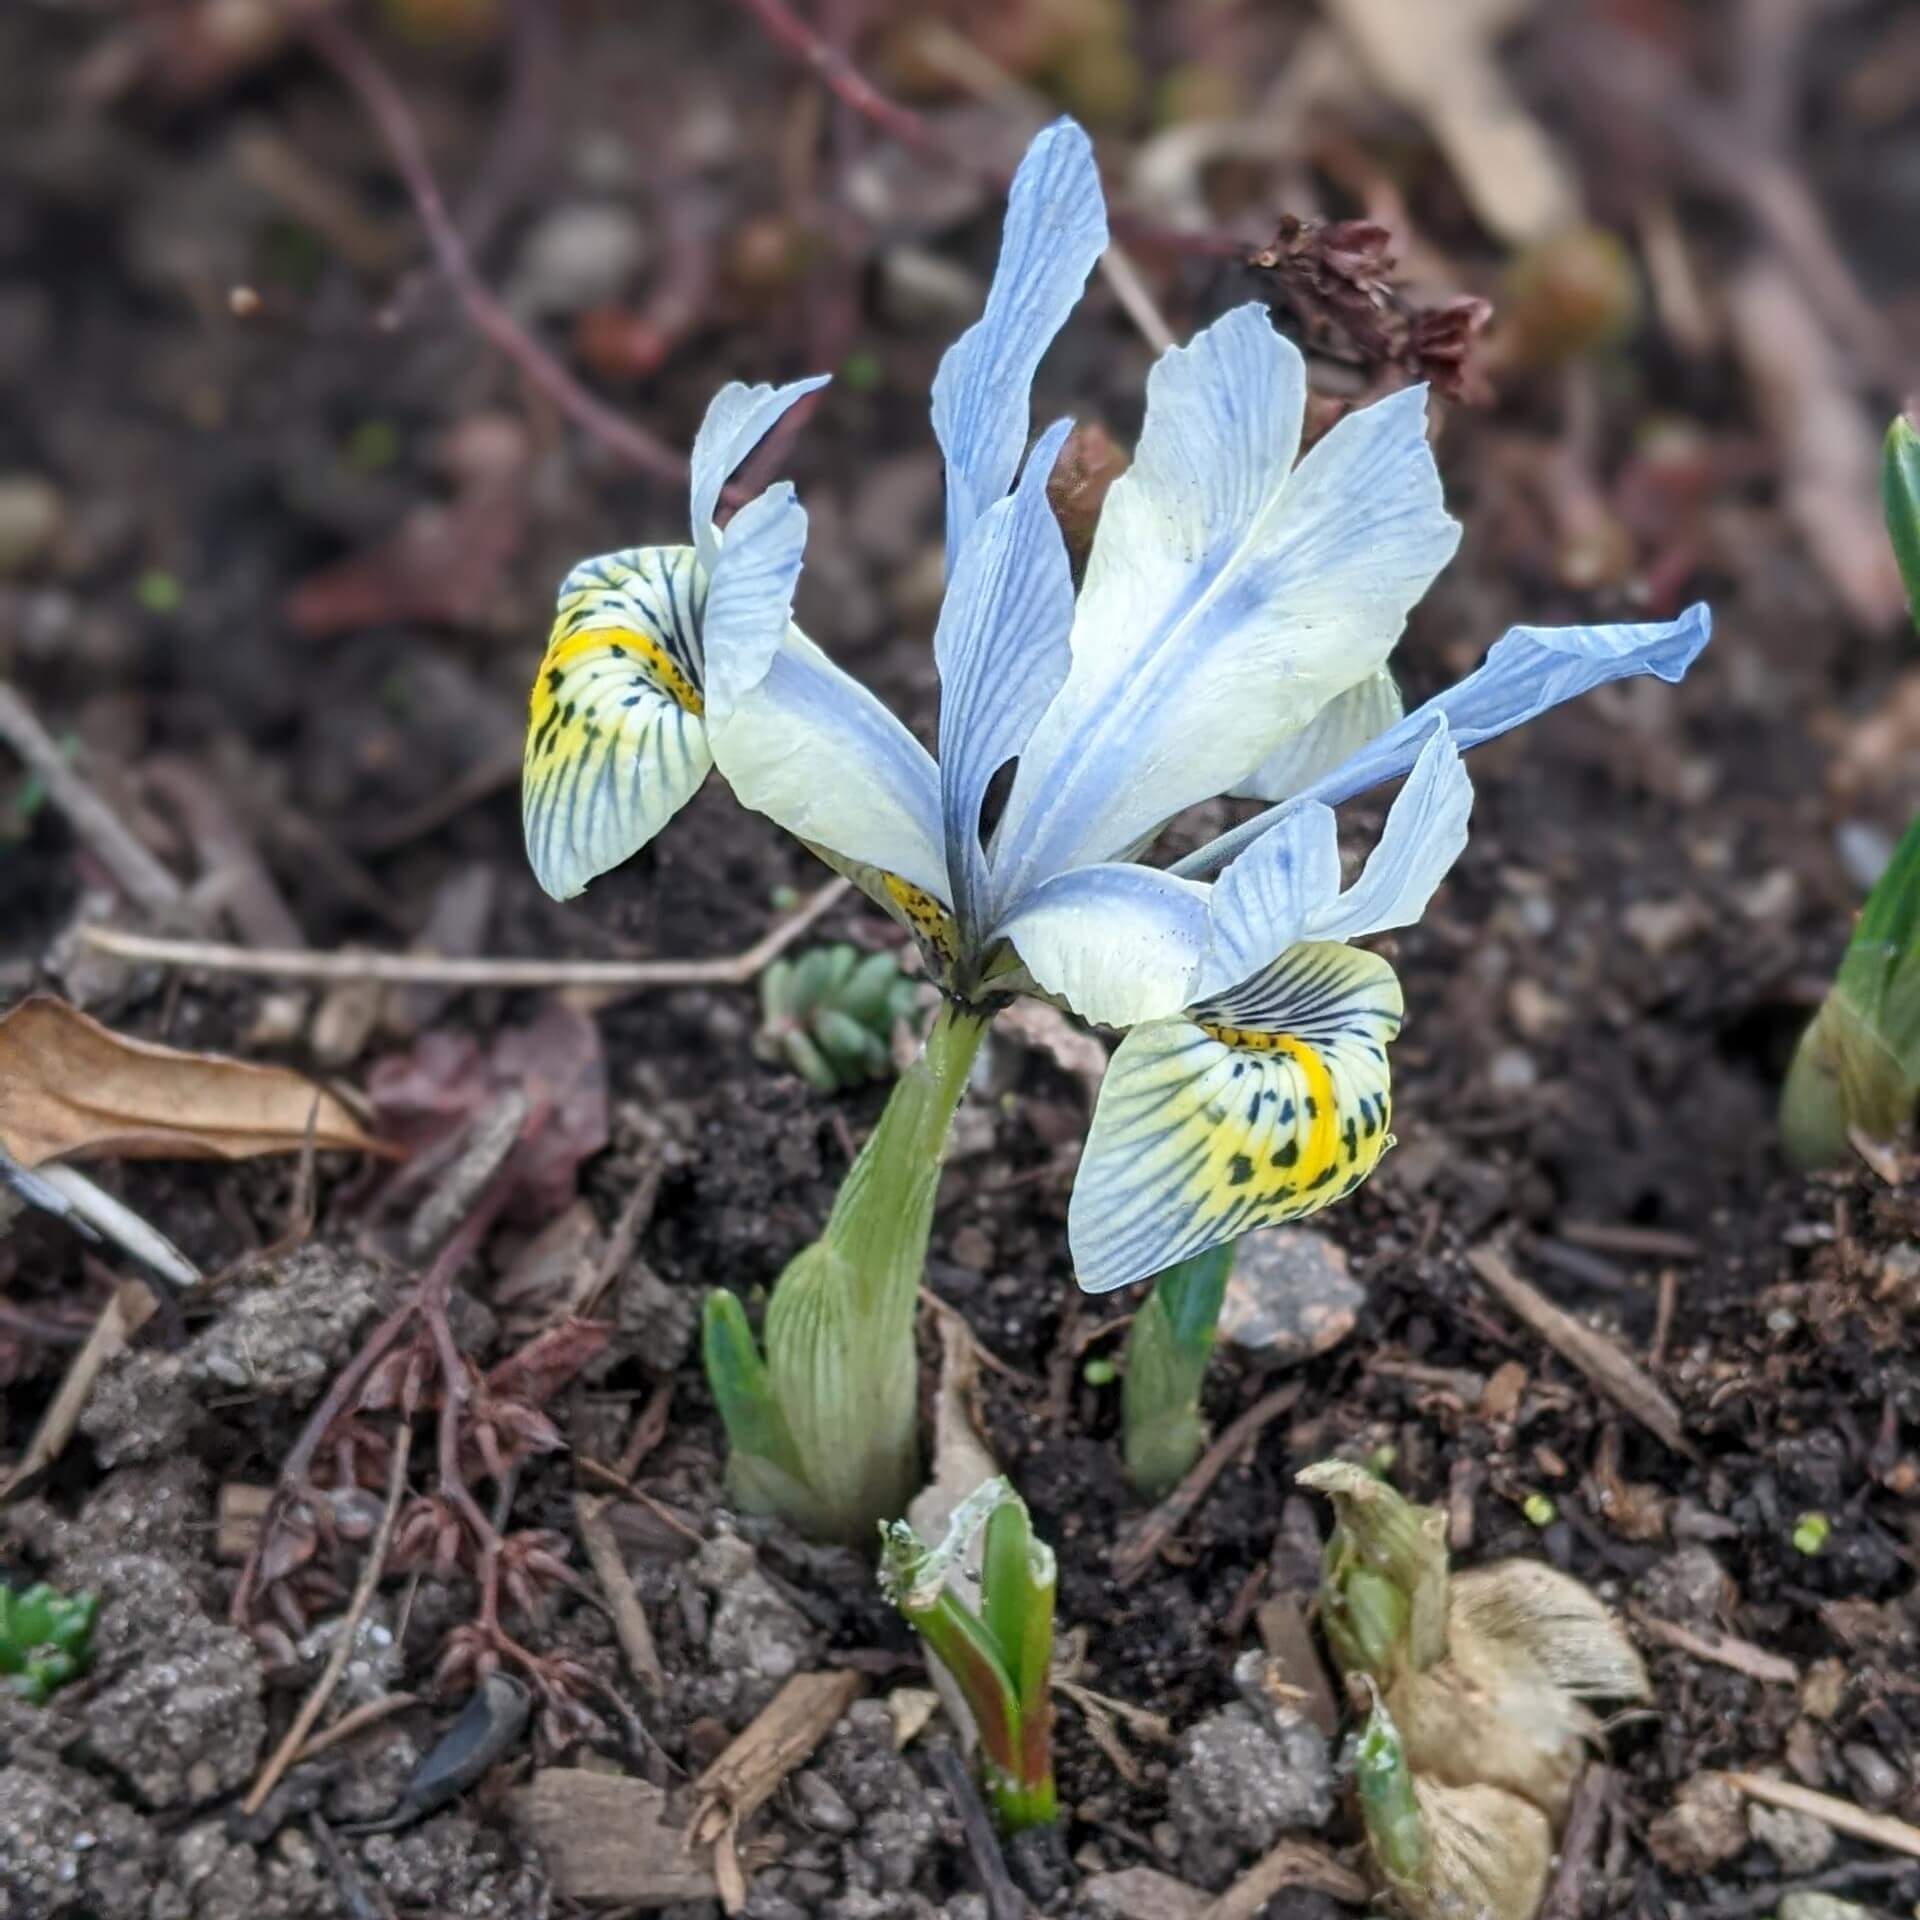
[999,1656]
[1900,493]
[44,1638]
[823,1430]
[1167,1352]
[1858,1064]
[1396,1833]
[1383,1587]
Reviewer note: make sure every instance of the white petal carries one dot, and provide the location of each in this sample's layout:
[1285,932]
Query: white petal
[616,739]
[1426,832]
[1001,648]
[738,418]
[749,604]
[1228,599]
[1527,672]
[1264,901]
[1345,724]
[1056,229]
[812,749]
[1246,1113]
[1117,943]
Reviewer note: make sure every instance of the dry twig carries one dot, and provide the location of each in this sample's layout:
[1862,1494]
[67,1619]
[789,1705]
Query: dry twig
[348,1625]
[610,1568]
[1723,1649]
[1137,1547]
[386,106]
[1293,1863]
[1879,1829]
[1618,1377]
[428,970]
[139,875]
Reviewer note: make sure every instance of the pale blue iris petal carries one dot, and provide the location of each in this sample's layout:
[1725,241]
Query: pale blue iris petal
[1227,599]
[1001,648]
[1527,671]
[1056,228]
[738,418]
[750,596]
[1117,943]
[1263,902]
[812,749]
[1425,833]
[1344,725]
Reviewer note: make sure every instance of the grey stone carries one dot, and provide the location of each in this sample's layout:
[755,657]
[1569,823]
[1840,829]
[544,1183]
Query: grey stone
[454,1865]
[818,1803]
[1238,1786]
[287,1336]
[67,1848]
[1689,1586]
[1290,1295]
[756,1632]
[577,257]
[1798,1841]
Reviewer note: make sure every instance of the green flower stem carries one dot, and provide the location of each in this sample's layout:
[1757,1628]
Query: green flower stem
[1900,494]
[1000,1658]
[1167,1352]
[823,1431]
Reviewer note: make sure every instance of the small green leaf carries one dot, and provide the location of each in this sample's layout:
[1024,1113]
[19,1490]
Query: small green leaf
[1900,491]
[1540,1511]
[44,1637]
[1810,1534]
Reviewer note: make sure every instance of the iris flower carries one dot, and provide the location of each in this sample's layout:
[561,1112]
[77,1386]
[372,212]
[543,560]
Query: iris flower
[1230,636]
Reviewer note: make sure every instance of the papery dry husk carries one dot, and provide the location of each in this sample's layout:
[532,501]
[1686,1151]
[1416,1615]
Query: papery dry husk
[1527,1646]
[1489,1855]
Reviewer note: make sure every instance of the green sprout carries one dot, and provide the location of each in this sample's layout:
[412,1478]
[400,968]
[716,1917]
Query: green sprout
[1810,1534]
[830,1015]
[159,591]
[1539,1510]
[823,1430]
[1000,1655]
[1167,1352]
[1478,1683]
[43,1640]
[1857,1066]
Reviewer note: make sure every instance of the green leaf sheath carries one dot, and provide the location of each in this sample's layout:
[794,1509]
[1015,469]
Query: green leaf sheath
[1167,1352]
[840,1369]
[1900,492]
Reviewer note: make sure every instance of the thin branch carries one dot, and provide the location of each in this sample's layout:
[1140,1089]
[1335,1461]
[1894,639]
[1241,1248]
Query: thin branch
[343,50]
[139,875]
[849,85]
[428,970]
[349,1625]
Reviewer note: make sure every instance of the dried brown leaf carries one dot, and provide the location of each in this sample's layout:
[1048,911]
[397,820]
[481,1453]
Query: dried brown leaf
[68,1086]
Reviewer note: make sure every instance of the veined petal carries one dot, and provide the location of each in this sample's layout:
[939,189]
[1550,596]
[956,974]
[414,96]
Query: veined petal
[1001,647]
[1229,595]
[1425,833]
[812,749]
[1056,228]
[749,604]
[738,418]
[1344,725]
[1527,672]
[1263,902]
[616,739]
[1117,943]
[1260,1107]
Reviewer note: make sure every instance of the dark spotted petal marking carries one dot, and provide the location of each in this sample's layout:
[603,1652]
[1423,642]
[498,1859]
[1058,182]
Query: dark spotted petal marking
[616,741]
[1261,1106]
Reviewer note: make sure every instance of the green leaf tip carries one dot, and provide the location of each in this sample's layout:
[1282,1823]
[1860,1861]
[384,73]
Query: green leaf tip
[1900,494]
[1858,1063]
[45,1640]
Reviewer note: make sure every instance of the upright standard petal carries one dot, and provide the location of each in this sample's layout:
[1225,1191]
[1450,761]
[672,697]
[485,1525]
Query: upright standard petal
[1342,727]
[1263,903]
[738,418]
[812,749]
[616,738]
[1117,943]
[1229,595]
[749,604]
[1001,647]
[1056,229]
[1261,1106]
[1425,834]
[1527,672]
